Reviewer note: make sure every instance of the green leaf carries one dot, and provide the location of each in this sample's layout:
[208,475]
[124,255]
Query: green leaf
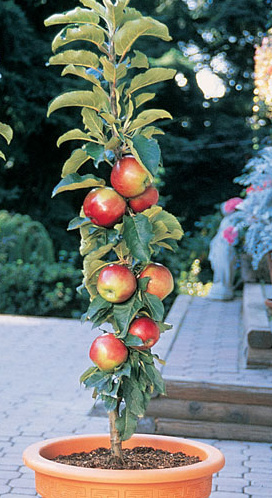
[137,235]
[132,30]
[154,306]
[78,222]
[132,341]
[97,305]
[84,32]
[88,373]
[78,98]
[75,134]
[93,122]
[150,77]
[76,57]
[147,117]
[77,15]
[140,60]
[155,378]
[109,403]
[142,98]
[6,132]
[77,159]
[97,7]
[147,151]
[75,181]
[82,72]
[96,152]
[149,131]
[125,312]
[126,424]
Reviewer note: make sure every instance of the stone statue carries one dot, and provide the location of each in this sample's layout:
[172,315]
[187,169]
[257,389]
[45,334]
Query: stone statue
[222,256]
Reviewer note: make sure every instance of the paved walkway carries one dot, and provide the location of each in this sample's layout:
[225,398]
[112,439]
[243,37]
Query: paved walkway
[41,361]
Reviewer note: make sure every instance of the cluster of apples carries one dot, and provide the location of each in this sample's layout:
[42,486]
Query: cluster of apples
[105,206]
[132,187]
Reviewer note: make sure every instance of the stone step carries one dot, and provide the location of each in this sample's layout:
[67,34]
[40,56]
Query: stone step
[257,327]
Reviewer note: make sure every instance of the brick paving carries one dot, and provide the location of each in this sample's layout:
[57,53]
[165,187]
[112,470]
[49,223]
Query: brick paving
[42,359]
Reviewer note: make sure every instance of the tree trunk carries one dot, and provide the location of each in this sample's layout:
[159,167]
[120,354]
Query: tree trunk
[116,444]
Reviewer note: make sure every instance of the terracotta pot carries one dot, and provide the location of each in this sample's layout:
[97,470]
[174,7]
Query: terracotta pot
[55,480]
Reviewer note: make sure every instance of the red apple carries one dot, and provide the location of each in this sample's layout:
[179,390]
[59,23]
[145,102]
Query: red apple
[161,282]
[104,206]
[116,283]
[108,352]
[145,200]
[129,178]
[147,330]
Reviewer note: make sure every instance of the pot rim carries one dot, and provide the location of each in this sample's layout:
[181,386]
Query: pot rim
[213,461]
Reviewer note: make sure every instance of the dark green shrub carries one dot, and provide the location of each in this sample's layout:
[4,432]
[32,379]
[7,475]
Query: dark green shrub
[25,239]
[41,289]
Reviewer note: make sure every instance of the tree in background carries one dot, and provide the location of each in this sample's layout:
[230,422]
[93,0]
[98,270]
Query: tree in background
[208,141]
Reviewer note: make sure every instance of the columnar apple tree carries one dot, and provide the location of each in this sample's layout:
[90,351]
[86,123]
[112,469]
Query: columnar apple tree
[122,228]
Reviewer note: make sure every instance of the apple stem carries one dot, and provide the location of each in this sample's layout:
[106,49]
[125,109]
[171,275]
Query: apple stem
[116,444]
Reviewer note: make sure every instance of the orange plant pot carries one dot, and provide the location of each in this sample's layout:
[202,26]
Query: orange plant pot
[55,480]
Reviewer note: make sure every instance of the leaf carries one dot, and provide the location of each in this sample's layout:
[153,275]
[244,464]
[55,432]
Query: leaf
[77,15]
[154,306]
[78,98]
[98,8]
[165,226]
[78,222]
[97,305]
[132,30]
[109,403]
[126,424]
[149,131]
[93,122]
[84,32]
[140,60]
[147,117]
[88,373]
[91,269]
[125,312]
[137,235]
[75,181]
[155,378]
[150,77]
[75,134]
[142,98]
[6,132]
[77,158]
[96,152]
[76,57]
[82,72]
[132,341]
[147,151]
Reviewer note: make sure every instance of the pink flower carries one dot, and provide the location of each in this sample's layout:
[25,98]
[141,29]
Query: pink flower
[231,234]
[230,205]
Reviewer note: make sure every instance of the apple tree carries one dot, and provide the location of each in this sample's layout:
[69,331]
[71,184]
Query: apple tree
[122,228]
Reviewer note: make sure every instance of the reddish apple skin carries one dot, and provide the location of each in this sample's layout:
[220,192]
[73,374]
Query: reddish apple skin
[116,283]
[128,177]
[161,282]
[104,206]
[147,330]
[108,352]
[145,200]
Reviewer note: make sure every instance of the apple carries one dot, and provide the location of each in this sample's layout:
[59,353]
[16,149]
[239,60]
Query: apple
[161,282]
[145,200]
[108,352]
[104,206]
[145,328]
[129,178]
[116,283]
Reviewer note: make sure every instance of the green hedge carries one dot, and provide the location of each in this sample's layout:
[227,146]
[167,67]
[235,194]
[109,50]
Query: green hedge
[41,289]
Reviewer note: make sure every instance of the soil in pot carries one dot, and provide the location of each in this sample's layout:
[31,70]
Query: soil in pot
[138,458]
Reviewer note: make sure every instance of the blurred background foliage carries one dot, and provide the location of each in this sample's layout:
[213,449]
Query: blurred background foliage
[206,144]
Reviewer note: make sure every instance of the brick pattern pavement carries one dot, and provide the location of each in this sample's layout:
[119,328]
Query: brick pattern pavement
[41,361]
